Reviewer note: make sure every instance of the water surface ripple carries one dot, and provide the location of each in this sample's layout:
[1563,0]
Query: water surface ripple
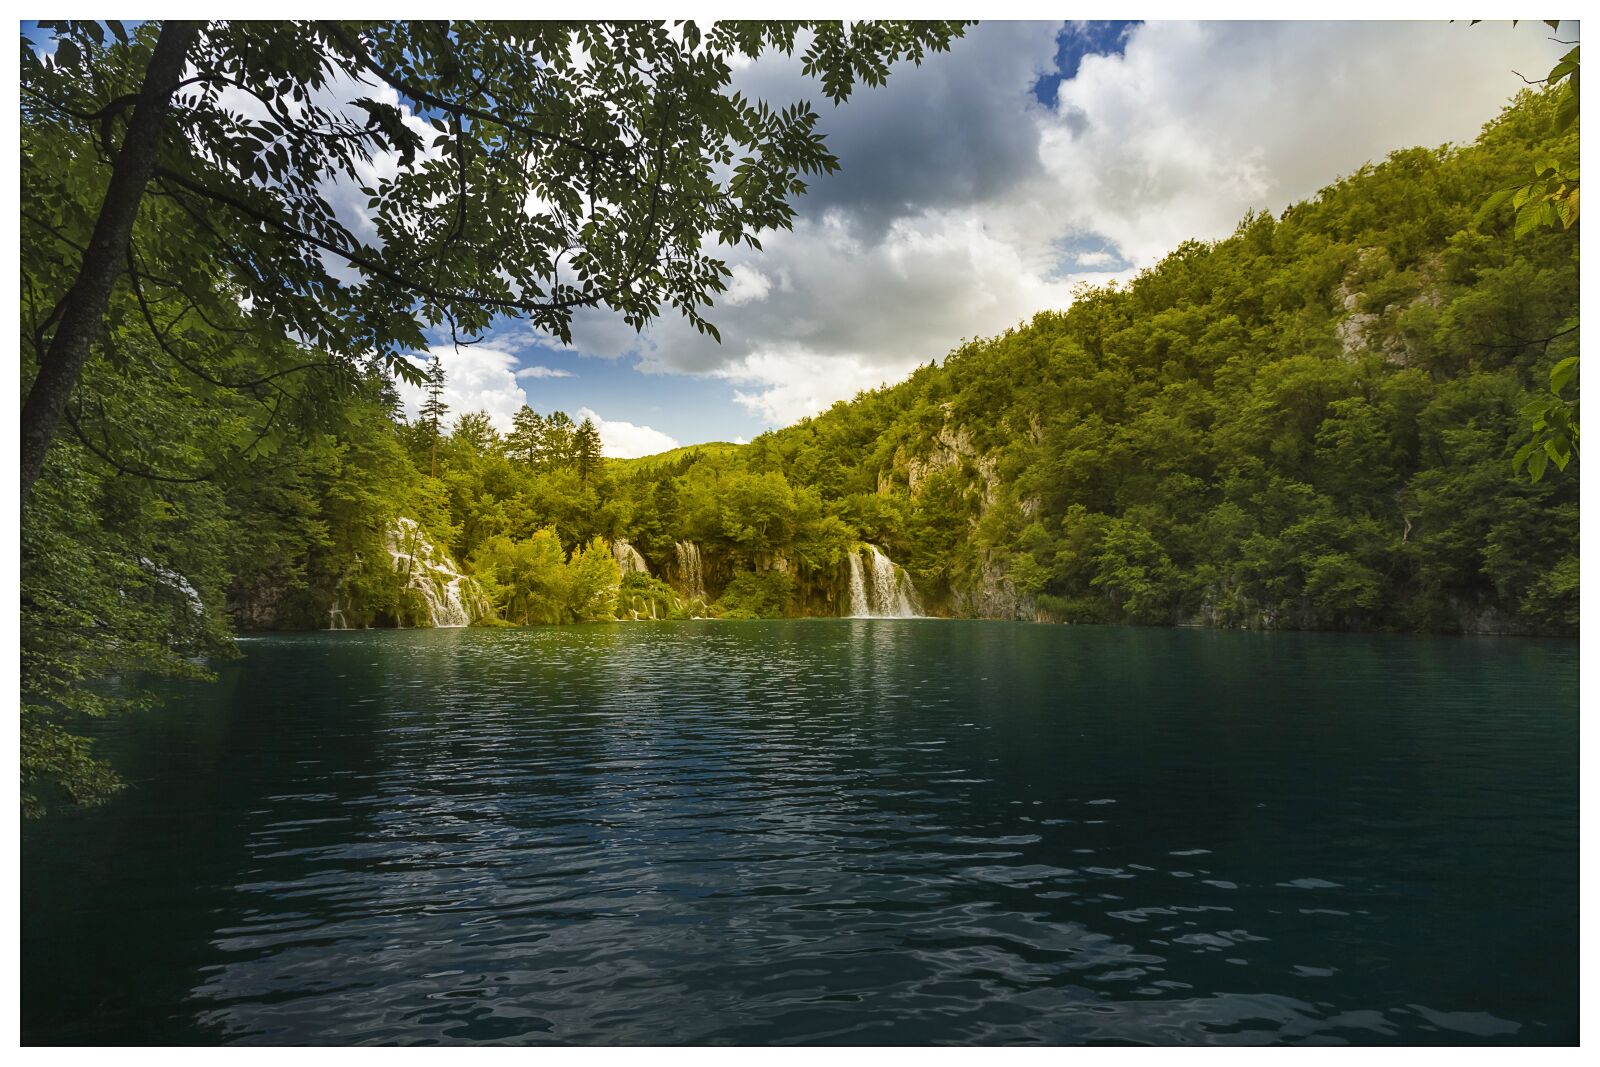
[861,831]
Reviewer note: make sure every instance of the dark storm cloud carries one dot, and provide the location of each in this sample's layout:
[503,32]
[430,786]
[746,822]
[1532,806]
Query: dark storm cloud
[942,135]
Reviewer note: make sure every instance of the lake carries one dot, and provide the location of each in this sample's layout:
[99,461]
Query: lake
[826,831]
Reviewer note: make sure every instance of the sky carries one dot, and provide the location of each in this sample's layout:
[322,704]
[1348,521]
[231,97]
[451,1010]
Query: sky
[983,186]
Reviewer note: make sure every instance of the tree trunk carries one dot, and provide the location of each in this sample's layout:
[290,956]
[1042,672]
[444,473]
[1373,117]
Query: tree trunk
[84,310]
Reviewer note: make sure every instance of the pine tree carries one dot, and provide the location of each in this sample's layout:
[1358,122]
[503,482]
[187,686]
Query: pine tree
[475,432]
[586,450]
[526,441]
[558,439]
[434,409]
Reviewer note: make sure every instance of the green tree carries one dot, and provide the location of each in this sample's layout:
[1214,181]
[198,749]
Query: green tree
[556,447]
[1550,200]
[433,410]
[526,581]
[586,450]
[595,578]
[527,435]
[476,433]
[757,596]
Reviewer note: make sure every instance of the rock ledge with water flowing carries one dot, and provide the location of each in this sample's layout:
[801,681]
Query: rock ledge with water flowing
[879,587]
[628,559]
[691,572]
[452,598]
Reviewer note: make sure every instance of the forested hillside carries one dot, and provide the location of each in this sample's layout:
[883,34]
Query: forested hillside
[1309,424]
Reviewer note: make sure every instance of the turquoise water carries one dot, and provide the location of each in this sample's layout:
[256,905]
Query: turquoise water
[852,831]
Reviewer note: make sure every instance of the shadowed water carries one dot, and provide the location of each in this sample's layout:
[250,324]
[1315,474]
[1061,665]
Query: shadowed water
[853,831]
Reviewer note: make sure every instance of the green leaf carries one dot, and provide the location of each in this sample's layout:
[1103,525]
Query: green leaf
[1567,207]
[1567,106]
[1563,373]
[1536,465]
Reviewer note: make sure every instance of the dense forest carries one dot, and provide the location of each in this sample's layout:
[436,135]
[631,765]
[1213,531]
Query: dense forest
[1310,424]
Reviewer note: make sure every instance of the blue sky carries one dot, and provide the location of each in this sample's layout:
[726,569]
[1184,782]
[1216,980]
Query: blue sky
[1074,41]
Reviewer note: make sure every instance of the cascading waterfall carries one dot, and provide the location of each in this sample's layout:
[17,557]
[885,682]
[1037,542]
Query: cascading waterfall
[895,595]
[628,559]
[453,598]
[638,612]
[880,589]
[336,619]
[173,580]
[690,576]
[859,605]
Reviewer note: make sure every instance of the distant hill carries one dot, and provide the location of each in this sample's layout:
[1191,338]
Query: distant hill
[673,455]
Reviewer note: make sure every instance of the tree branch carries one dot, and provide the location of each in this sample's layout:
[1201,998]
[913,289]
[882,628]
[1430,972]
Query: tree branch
[369,265]
[428,99]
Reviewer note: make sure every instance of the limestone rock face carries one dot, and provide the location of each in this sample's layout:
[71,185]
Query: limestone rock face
[953,446]
[259,606]
[994,597]
[1361,330]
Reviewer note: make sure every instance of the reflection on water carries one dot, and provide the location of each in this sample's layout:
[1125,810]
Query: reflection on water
[850,831]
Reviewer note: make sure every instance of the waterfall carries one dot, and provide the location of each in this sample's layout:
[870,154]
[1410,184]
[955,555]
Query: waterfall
[336,619]
[628,559]
[859,605]
[892,591]
[690,576]
[453,598]
[173,580]
[880,589]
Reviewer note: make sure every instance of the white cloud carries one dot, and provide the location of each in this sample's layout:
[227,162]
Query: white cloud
[625,440]
[543,372]
[867,317]
[791,383]
[939,230]
[747,284]
[1196,123]
[477,378]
